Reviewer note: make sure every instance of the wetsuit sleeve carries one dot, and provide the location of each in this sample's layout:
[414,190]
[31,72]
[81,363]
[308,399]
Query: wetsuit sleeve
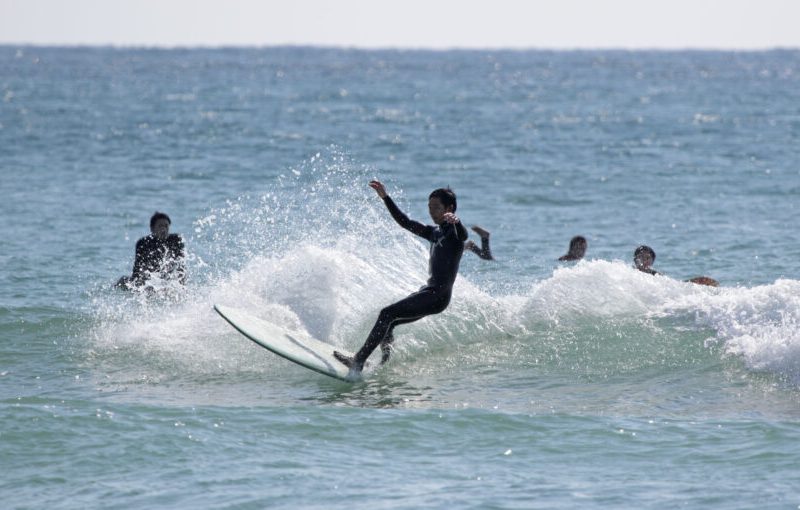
[485,251]
[461,232]
[404,221]
[180,268]
[139,262]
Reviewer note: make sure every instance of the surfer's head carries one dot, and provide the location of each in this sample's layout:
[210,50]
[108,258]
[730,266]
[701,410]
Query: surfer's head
[441,201]
[159,225]
[577,249]
[643,257]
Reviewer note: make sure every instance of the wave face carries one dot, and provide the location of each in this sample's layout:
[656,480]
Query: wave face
[319,253]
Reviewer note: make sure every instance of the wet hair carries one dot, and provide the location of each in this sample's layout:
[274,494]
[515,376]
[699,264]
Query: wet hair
[446,196]
[577,241]
[159,216]
[644,249]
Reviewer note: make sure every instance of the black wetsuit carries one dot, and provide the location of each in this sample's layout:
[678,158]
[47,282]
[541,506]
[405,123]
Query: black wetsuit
[156,257]
[447,246]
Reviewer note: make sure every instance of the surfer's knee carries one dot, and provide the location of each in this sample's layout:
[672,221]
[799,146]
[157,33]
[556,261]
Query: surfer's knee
[387,315]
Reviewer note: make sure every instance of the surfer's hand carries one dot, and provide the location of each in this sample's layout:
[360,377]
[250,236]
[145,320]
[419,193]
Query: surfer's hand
[378,187]
[450,218]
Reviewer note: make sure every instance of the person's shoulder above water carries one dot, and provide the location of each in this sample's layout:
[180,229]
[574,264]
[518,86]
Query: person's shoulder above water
[576,251]
[175,240]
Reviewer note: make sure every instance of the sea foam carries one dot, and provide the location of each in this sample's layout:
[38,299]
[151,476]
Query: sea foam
[317,252]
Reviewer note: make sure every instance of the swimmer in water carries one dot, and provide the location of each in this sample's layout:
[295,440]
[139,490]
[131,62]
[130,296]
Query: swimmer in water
[577,249]
[643,258]
[159,254]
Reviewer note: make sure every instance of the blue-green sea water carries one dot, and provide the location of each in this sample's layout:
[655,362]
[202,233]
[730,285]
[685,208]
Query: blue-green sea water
[543,385]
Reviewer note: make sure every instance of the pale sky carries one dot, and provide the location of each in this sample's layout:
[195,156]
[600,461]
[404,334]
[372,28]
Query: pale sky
[439,24]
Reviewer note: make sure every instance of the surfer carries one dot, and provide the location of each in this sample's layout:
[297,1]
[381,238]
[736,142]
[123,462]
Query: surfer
[577,249]
[447,245]
[158,254]
[485,251]
[643,258]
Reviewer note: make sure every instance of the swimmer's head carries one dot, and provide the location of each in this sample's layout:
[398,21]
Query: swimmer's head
[643,257]
[159,225]
[577,246]
[577,249]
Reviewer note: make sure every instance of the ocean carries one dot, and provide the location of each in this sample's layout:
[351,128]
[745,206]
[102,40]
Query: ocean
[543,385]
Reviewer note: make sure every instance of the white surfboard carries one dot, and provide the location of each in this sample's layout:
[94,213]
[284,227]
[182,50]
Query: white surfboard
[295,346]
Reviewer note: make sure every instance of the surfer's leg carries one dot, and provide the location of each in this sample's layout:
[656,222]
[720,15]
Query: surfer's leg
[386,343]
[386,347]
[414,307]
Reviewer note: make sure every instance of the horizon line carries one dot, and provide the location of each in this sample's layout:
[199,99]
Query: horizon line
[367,48]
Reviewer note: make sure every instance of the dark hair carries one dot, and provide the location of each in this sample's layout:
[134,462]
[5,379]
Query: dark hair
[159,216]
[573,243]
[642,249]
[446,196]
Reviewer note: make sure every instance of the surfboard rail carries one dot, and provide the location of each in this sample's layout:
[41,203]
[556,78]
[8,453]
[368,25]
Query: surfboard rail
[295,346]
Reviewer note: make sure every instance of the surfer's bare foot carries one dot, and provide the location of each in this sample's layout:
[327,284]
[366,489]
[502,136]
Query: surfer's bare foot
[480,231]
[386,352]
[347,361]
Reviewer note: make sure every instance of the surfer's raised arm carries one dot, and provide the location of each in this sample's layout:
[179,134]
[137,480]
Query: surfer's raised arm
[399,216]
[379,188]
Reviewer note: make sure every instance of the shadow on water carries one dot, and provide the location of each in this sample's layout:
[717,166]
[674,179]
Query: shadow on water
[381,393]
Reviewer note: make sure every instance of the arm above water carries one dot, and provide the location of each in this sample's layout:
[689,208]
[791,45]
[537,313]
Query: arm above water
[399,216]
[484,252]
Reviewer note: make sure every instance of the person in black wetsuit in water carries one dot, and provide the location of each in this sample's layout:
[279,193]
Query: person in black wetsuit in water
[159,254]
[577,249]
[447,245]
[643,258]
